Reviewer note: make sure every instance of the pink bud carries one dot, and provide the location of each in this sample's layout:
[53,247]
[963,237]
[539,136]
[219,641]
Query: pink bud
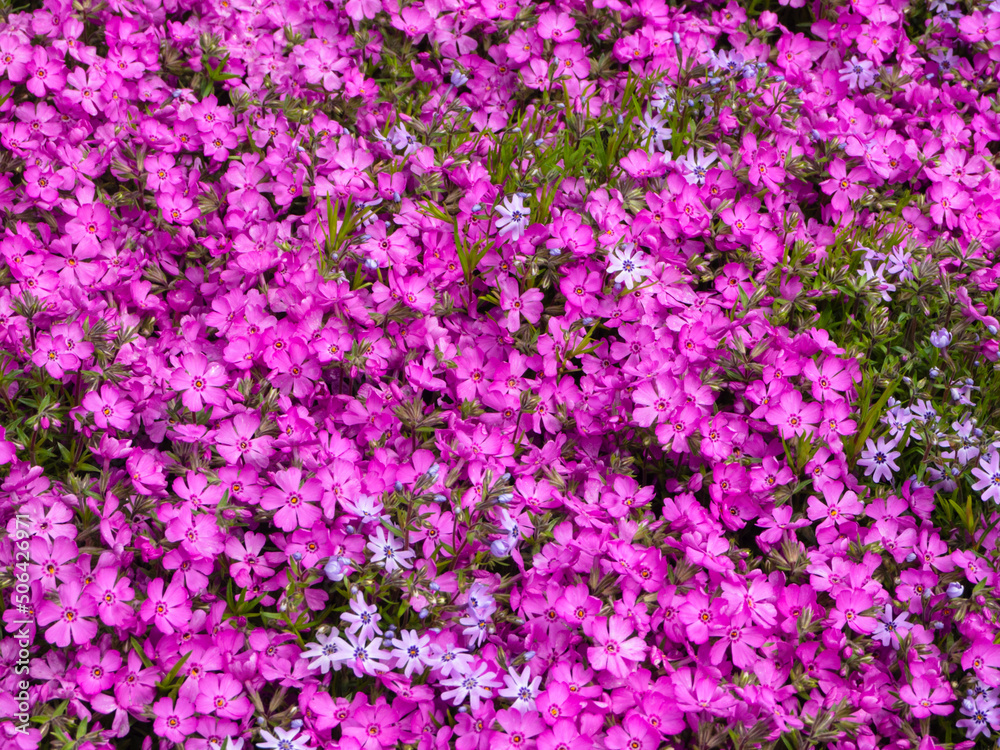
[848,652]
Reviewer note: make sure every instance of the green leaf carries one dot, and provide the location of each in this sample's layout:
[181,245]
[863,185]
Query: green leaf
[873,413]
[138,650]
[172,675]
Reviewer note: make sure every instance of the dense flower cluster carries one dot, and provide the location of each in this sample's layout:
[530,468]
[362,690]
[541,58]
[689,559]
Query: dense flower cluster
[485,374]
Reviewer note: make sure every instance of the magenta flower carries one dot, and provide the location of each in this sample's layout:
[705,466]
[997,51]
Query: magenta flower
[836,507]
[52,353]
[926,698]
[516,304]
[635,733]
[295,499]
[792,417]
[946,200]
[177,209]
[373,727]
[983,656]
[45,73]
[109,407]
[615,646]
[850,610]
[174,721]
[168,609]
[69,616]
[111,595]
[97,670]
[843,187]
[222,695]
[199,534]
[741,640]
[200,382]
[90,226]
[235,441]
[829,380]
[247,558]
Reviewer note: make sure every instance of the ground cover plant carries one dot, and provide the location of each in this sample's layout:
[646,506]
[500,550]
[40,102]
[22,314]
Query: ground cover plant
[475,375]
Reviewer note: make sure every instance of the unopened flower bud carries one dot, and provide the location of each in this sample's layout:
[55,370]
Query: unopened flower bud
[434,586]
[334,570]
[370,264]
[938,625]
[677,38]
[350,528]
[499,548]
[295,723]
[424,613]
[941,338]
[911,557]
[439,499]
[398,486]
[458,78]
[992,329]
[528,655]
[505,499]
[954,590]
[478,207]
[934,373]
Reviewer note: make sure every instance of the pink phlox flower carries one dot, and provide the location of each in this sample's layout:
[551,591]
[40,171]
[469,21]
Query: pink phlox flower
[838,506]
[517,304]
[70,618]
[851,606]
[926,697]
[200,382]
[199,535]
[167,607]
[792,417]
[236,441]
[174,720]
[109,407]
[615,647]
